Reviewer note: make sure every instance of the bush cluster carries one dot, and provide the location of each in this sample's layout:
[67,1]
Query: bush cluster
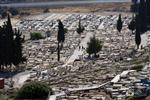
[36,36]
[34,91]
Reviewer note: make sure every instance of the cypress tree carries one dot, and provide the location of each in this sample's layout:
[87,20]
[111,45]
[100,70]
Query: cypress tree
[134,6]
[61,33]
[142,16]
[119,23]
[138,32]
[17,48]
[132,25]
[134,1]
[148,13]
[80,28]
[60,37]
[8,31]
[1,48]
[138,38]
[6,39]
[148,8]
[10,46]
[142,8]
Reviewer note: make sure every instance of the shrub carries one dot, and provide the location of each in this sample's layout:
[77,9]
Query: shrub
[146,59]
[94,46]
[138,67]
[36,36]
[65,30]
[34,90]
[46,10]
[137,62]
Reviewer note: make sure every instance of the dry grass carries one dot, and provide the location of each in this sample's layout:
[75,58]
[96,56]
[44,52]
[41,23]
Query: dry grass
[121,7]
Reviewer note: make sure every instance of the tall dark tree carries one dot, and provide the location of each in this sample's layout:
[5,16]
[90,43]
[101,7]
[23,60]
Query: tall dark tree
[60,37]
[2,48]
[138,32]
[142,8]
[134,1]
[148,7]
[148,13]
[134,6]
[10,50]
[80,28]
[142,16]
[137,38]
[119,23]
[132,25]
[9,42]
[17,51]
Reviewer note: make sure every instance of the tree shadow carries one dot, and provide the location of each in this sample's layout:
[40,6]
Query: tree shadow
[6,74]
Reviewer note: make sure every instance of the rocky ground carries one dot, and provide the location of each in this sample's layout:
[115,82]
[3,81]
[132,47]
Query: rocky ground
[76,70]
[84,72]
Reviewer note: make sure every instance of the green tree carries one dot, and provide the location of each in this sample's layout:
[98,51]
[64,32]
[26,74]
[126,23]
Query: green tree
[142,9]
[134,1]
[132,25]
[80,29]
[10,46]
[138,32]
[142,16]
[137,38]
[148,8]
[94,46]
[119,23]
[17,51]
[34,91]
[60,37]
[2,50]
[134,6]
[8,30]
[119,26]
[6,43]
